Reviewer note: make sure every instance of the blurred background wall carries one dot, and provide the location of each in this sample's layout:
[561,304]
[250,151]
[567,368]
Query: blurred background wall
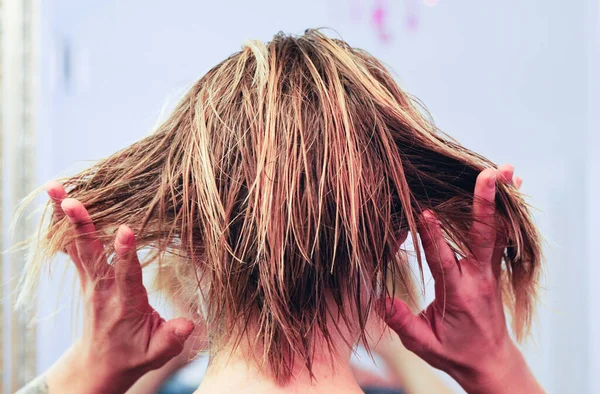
[516,81]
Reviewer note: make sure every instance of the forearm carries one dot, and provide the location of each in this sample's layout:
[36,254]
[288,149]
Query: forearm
[73,375]
[418,377]
[62,378]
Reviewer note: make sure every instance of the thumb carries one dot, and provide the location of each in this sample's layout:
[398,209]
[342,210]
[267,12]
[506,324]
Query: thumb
[414,331]
[168,341]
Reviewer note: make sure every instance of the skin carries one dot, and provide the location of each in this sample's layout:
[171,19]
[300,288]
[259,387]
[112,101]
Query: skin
[463,331]
[415,374]
[123,336]
[467,337]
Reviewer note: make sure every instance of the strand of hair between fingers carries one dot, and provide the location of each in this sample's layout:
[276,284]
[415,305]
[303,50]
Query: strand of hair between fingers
[38,385]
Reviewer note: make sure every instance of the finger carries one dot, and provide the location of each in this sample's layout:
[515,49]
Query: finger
[90,250]
[128,269]
[507,176]
[517,181]
[482,235]
[168,341]
[507,172]
[440,258]
[414,332]
[57,194]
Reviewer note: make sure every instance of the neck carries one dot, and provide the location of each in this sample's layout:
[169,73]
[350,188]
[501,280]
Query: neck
[232,370]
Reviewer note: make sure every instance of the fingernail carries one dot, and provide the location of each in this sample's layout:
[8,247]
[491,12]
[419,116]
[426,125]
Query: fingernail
[429,216]
[183,333]
[123,236]
[67,206]
[426,214]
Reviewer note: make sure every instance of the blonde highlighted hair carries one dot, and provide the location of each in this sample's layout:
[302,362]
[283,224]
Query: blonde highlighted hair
[283,180]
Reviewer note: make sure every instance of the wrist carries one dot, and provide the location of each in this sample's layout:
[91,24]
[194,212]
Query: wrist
[76,372]
[504,371]
[70,374]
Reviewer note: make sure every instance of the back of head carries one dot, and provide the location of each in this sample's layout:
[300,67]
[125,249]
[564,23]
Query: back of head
[282,184]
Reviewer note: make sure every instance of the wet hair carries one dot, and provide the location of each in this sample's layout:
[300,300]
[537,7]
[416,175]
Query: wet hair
[277,190]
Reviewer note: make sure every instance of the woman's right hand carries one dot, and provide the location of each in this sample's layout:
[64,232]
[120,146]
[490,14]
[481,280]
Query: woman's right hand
[463,331]
[123,336]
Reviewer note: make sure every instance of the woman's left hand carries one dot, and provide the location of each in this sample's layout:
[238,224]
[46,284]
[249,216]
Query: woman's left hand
[123,336]
[463,331]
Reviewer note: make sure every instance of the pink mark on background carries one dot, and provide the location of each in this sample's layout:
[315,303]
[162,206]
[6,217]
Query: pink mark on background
[380,15]
[379,18]
[412,15]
